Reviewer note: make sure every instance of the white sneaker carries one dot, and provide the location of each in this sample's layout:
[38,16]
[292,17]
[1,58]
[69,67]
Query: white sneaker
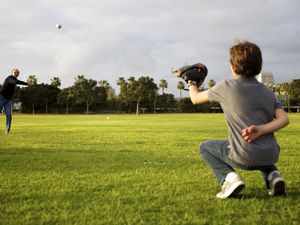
[276,184]
[232,185]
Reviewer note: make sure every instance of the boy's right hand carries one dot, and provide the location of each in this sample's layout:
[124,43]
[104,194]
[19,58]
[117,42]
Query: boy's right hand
[251,133]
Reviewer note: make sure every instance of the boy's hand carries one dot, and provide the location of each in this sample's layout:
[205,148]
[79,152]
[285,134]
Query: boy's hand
[254,131]
[251,133]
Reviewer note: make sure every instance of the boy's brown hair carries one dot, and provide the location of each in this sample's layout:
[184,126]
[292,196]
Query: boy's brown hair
[246,59]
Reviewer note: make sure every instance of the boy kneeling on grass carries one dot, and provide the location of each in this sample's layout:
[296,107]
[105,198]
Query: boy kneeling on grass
[252,114]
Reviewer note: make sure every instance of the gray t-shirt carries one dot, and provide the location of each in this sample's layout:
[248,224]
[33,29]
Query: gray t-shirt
[245,102]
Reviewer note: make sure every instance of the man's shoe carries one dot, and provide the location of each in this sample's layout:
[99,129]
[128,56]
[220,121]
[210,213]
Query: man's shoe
[276,184]
[232,185]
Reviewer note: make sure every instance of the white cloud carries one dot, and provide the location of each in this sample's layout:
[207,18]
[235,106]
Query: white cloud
[111,38]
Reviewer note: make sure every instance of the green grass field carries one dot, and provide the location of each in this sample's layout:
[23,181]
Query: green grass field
[127,169]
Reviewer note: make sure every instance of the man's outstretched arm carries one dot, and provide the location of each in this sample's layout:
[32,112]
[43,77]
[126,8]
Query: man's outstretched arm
[21,82]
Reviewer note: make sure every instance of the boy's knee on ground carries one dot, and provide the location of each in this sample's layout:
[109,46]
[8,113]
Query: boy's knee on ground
[203,147]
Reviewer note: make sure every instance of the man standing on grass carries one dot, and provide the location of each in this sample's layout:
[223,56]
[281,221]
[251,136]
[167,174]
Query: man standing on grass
[6,94]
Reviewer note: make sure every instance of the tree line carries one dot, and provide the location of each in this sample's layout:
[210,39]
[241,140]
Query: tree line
[288,93]
[135,95]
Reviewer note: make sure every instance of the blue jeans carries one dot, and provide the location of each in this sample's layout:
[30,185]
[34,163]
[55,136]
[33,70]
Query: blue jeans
[215,153]
[6,104]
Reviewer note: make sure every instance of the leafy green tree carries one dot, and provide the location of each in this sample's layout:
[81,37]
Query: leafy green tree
[123,97]
[28,95]
[289,92]
[66,97]
[100,98]
[39,98]
[134,94]
[137,92]
[48,96]
[166,102]
[108,89]
[143,91]
[295,92]
[186,106]
[29,98]
[85,91]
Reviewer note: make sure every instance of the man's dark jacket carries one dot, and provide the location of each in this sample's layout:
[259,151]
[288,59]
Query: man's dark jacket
[9,86]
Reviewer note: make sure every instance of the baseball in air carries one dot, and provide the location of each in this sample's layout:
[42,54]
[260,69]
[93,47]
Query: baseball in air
[58,26]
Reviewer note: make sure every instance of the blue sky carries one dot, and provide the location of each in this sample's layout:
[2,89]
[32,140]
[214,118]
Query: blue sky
[107,39]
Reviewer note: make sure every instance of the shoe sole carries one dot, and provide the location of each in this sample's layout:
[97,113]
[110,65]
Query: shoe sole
[279,187]
[233,191]
[237,190]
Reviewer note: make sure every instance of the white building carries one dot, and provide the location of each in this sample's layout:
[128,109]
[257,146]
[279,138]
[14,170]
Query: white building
[266,78]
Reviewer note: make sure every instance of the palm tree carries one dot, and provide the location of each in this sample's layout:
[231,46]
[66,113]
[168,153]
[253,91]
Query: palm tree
[103,83]
[277,89]
[32,80]
[284,88]
[79,79]
[211,83]
[121,81]
[180,86]
[163,84]
[55,81]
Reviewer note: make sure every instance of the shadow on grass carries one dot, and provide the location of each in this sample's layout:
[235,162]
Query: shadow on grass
[291,194]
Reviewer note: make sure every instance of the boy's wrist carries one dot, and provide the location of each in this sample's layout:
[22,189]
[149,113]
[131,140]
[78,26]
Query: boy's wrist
[191,83]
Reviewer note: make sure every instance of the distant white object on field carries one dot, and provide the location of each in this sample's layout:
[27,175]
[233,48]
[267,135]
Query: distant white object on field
[107,118]
[58,26]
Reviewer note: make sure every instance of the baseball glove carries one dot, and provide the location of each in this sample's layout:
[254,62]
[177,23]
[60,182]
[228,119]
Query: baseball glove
[196,73]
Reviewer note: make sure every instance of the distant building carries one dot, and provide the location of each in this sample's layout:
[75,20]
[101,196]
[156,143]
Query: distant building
[17,105]
[266,78]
